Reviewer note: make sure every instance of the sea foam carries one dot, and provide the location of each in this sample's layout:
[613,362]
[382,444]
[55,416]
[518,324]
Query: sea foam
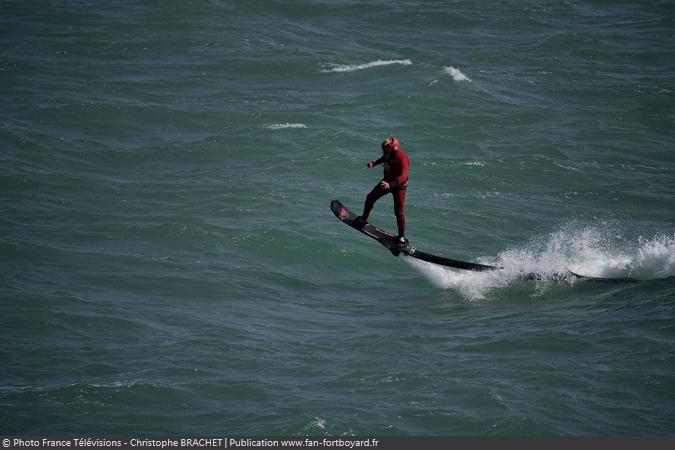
[281,126]
[456,74]
[329,68]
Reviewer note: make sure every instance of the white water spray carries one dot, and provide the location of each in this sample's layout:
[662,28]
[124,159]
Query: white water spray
[588,250]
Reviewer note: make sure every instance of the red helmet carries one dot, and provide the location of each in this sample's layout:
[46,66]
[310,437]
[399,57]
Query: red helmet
[390,144]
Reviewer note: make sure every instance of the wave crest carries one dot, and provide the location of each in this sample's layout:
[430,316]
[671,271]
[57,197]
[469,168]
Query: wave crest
[281,126]
[456,74]
[335,68]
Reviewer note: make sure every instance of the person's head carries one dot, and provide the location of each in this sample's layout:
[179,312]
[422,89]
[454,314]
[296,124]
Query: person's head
[390,144]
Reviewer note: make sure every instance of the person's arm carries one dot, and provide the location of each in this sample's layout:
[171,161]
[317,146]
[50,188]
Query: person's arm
[372,164]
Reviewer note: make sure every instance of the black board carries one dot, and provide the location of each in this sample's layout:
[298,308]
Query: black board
[390,242]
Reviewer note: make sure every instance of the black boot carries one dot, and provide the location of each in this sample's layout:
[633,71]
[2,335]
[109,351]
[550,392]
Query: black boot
[360,222]
[403,243]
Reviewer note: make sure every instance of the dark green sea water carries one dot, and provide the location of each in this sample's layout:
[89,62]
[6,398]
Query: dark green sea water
[170,265]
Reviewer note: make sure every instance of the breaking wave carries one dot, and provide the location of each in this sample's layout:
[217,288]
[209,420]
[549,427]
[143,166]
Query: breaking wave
[281,126]
[331,68]
[456,74]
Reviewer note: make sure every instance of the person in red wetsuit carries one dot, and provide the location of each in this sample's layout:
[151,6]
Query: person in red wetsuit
[395,182]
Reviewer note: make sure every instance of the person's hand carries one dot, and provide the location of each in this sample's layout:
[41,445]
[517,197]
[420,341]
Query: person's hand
[371,164]
[384,184]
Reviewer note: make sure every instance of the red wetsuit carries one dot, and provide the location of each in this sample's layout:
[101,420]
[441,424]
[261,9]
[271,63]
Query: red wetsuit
[396,165]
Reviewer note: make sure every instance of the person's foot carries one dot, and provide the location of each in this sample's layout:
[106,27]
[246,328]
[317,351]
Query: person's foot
[402,242]
[360,222]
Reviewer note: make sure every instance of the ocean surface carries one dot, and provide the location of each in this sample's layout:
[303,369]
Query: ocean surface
[170,264]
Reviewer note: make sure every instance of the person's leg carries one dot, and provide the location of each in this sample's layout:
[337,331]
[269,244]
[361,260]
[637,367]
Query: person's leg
[399,210]
[374,195]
